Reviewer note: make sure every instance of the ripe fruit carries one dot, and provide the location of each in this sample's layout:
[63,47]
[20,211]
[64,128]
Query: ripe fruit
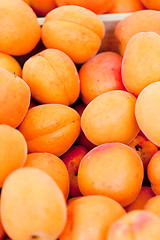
[152,4]
[100,74]
[53,166]
[125,6]
[153,205]
[143,21]
[31,194]
[91,217]
[51,128]
[74,30]
[137,225]
[146,112]
[20,30]
[13,151]
[140,65]
[10,63]
[61,83]
[13,92]
[112,169]
[99,7]
[110,117]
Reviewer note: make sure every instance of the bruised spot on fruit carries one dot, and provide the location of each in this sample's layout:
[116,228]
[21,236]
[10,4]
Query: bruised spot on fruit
[138,147]
[35,237]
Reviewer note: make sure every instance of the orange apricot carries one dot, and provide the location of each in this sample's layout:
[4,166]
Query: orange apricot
[14,98]
[91,217]
[72,159]
[153,172]
[10,63]
[61,83]
[20,30]
[137,225]
[41,7]
[51,128]
[143,21]
[125,6]
[110,117]
[31,194]
[13,151]
[100,74]
[99,7]
[140,65]
[146,112]
[145,194]
[152,4]
[53,166]
[153,205]
[112,169]
[74,30]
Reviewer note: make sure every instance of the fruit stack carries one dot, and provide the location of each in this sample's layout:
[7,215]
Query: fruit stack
[79,120]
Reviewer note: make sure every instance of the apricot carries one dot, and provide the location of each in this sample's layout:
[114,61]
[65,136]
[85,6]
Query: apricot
[125,6]
[20,30]
[10,63]
[91,217]
[112,169]
[31,194]
[145,194]
[110,117]
[153,172]
[137,225]
[13,151]
[51,128]
[137,72]
[41,7]
[61,83]
[74,30]
[153,205]
[99,7]
[72,159]
[53,166]
[152,4]
[100,74]
[143,21]
[82,140]
[146,112]
[13,92]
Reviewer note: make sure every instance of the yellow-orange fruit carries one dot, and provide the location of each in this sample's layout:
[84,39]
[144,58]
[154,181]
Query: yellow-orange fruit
[140,64]
[51,128]
[53,166]
[147,112]
[52,77]
[153,172]
[14,98]
[137,225]
[74,30]
[10,63]
[110,117]
[152,4]
[13,151]
[41,7]
[99,7]
[153,205]
[22,198]
[143,21]
[101,171]
[2,232]
[91,217]
[145,194]
[125,6]
[100,74]
[20,30]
